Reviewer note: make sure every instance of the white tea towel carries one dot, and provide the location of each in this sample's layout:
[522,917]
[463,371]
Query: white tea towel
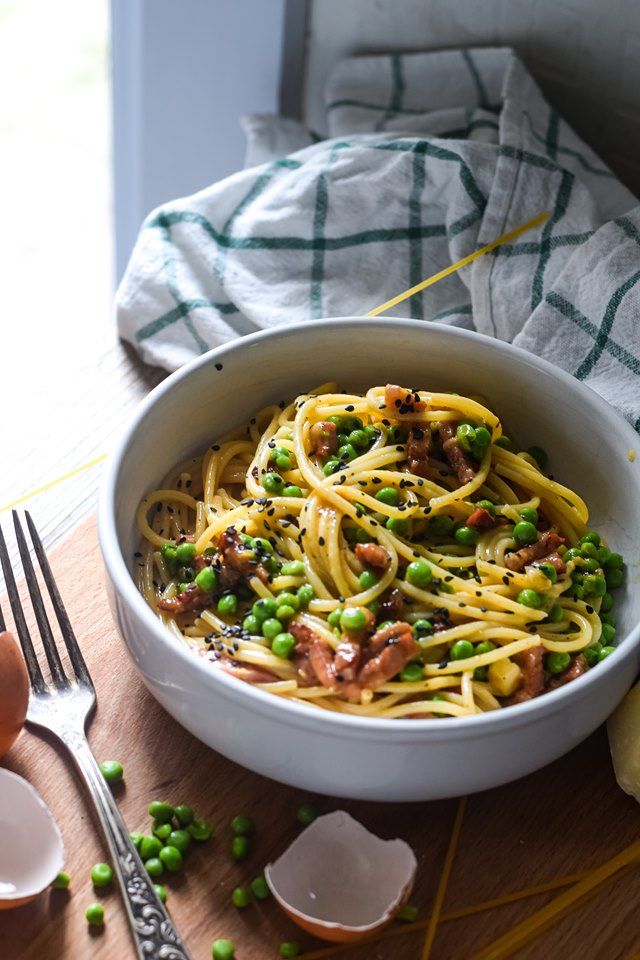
[430,156]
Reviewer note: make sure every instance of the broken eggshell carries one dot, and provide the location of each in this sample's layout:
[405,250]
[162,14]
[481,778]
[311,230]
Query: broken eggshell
[340,882]
[31,852]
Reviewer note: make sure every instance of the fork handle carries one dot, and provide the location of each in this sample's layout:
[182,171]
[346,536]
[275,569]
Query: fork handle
[153,932]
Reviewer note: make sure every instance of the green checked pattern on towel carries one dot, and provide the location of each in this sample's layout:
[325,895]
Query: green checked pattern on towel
[426,157]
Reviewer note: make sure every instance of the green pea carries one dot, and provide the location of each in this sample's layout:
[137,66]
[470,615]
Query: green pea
[529,514]
[419,573]
[272,482]
[371,431]
[592,654]
[578,593]
[271,628]
[480,442]
[549,571]
[306,814]
[287,599]
[421,628]
[293,568]
[606,652]
[373,606]
[264,608]
[161,811]
[185,552]
[347,452]
[539,455]
[206,579]
[136,839]
[597,586]
[353,618]
[524,532]
[95,914]
[608,618]
[572,554]
[61,882]
[505,443]
[101,875]
[604,555]
[614,577]
[222,950]
[282,645]
[397,526]
[408,913]
[607,603]
[241,897]
[240,848]
[331,466]
[487,505]
[555,614]
[465,435]
[172,858]
[461,649]
[161,830]
[481,674]
[557,662]
[359,439]
[285,612]
[362,536]
[305,594]
[442,525]
[388,495]
[467,536]
[227,604]
[161,892]
[615,561]
[396,435]
[412,673]
[590,537]
[263,545]
[334,617]
[289,949]
[150,847]
[112,771]
[200,830]
[283,461]
[608,633]
[243,826]
[589,550]
[485,646]
[367,579]
[180,839]
[169,554]
[530,598]
[590,565]
[340,422]
[259,888]
[154,867]
[252,625]
[292,490]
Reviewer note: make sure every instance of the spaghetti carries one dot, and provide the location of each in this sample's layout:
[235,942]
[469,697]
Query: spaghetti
[386,555]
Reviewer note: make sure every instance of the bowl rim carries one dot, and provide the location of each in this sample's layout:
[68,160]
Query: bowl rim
[267,703]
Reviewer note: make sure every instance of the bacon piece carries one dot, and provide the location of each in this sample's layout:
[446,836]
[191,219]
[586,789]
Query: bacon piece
[532,667]
[546,544]
[481,519]
[324,438]
[301,659]
[347,661]
[555,560]
[373,555]
[458,459]
[418,448]
[392,607]
[577,668]
[403,401]
[397,648]
[247,673]
[303,634]
[237,559]
[191,598]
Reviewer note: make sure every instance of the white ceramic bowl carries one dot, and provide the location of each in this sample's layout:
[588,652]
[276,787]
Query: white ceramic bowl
[588,444]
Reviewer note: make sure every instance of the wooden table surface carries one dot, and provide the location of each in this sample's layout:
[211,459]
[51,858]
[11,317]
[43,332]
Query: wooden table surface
[568,817]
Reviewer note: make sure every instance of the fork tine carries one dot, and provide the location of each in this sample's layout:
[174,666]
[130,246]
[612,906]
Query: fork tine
[75,654]
[29,654]
[3,625]
[48,640]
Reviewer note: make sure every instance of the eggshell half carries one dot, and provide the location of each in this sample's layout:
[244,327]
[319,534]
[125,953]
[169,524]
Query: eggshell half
[340,882]
[14,691]
[31,852]
[623,727]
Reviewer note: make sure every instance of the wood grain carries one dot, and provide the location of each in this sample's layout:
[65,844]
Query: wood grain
[567,817]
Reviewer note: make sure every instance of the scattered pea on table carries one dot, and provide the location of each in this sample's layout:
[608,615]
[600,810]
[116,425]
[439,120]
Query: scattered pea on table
[101,875]
[243,826]
[259,888]
[95,915]
[289,949]
[112,771]
[62,881]
[306,814]
[222,950]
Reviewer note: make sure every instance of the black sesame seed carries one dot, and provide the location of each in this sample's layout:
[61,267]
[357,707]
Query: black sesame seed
[321,541]
[218,366]
[137,554]
[505,580]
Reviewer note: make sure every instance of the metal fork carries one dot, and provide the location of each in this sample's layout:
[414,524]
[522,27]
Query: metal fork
[62,707]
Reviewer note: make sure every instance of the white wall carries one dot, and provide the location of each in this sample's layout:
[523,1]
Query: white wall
[184,71]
